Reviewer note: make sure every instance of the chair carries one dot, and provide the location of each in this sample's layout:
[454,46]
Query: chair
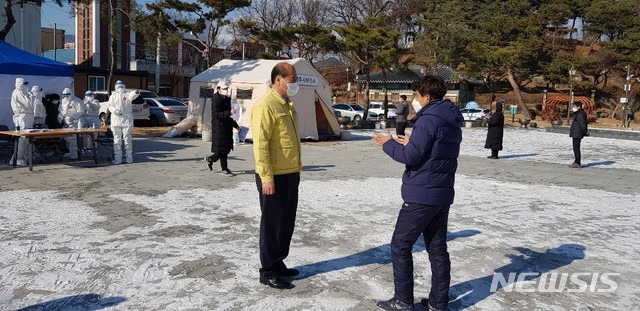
[49,147]
[105,141]
[6,144]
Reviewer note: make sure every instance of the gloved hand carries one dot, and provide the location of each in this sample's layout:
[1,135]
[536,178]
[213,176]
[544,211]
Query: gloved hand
[118,112]
[137,92]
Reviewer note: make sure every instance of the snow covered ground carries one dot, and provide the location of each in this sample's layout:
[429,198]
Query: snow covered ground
[197,249]
[539,145]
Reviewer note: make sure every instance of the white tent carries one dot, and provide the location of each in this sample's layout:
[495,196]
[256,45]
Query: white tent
[248,81]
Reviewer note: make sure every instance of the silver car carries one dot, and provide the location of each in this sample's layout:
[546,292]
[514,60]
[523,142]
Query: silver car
[353,111]
[166,111]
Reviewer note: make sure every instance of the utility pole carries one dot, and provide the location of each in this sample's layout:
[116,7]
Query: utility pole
[22,24]
[625,100]
[158,65]
[55,43]
[572,72]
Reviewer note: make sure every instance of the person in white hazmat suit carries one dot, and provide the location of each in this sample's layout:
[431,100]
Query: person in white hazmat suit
[39,112]
[91,117]
[22,106]
[122,121]
[70,111]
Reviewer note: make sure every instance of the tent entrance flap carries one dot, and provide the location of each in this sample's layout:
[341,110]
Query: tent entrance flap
[324,128]
[325,119]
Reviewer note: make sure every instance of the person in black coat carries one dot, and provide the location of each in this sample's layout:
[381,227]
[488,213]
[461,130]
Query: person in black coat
[577,132]
[221,129]
[496,131]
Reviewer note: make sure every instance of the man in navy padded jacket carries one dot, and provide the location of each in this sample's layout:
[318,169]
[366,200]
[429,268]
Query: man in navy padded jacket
[430,154]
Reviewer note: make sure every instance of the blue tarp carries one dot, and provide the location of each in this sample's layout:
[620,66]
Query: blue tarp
[14,61]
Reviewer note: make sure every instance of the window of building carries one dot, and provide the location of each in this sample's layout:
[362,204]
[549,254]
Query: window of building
[96,83]
[244,93]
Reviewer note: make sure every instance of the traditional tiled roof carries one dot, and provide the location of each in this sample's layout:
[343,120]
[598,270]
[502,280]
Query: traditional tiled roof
[412,74]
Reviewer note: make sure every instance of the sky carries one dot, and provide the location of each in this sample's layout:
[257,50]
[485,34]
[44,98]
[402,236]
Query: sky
[52,13]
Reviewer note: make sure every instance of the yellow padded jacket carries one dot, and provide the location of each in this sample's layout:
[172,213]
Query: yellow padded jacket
[276,142]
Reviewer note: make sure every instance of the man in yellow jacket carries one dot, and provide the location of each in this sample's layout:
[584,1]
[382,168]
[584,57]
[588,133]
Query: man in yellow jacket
[276,148]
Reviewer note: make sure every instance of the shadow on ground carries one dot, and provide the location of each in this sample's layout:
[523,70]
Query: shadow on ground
[601,163]
[377,255]
[86,302]
[533,264]
[515,156]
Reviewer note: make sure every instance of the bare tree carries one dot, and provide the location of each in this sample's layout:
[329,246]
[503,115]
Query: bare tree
[349,12]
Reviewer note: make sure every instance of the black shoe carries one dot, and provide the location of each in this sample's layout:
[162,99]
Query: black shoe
[209,163]
[228,173]
[288,272]
[425,304]
[492,157]
[272,279]
[394,304]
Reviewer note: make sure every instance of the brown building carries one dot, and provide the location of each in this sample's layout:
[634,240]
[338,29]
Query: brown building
[48,39]
[135,59]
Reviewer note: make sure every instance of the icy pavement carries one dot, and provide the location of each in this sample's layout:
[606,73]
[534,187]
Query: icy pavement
[200,252]
[167,234]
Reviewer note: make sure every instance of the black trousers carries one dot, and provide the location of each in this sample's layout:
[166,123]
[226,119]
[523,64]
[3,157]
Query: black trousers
[278,220]
[400,127]
[224,160]
[431,222]
[576,150]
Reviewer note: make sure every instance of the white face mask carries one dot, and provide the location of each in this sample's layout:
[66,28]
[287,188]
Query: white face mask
[292,89]
[222,92]
[23,88]
[575,109]
[416,105]
[89,98]
[120,90]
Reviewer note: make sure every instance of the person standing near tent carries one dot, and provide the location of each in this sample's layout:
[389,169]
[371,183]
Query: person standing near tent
[122,122]
[496,131]
[276,148]
[39,111]
[221,129]
[69,113]
[22,106]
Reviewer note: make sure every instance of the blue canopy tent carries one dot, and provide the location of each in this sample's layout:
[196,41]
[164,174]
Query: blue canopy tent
[51,75]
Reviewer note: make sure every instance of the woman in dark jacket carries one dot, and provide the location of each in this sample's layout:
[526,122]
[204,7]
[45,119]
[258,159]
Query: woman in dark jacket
[496,132]
[221,129]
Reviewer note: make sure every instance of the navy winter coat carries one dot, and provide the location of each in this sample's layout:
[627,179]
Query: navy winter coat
[431,156]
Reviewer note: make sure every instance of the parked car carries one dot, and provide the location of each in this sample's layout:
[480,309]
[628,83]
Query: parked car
[166,111]
[353,111]
[140,108]
[378,108]
[475,114]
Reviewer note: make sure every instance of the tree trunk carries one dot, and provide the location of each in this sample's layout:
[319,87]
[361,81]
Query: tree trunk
[112,34]
[516,88]
[366,94]
[11,20]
